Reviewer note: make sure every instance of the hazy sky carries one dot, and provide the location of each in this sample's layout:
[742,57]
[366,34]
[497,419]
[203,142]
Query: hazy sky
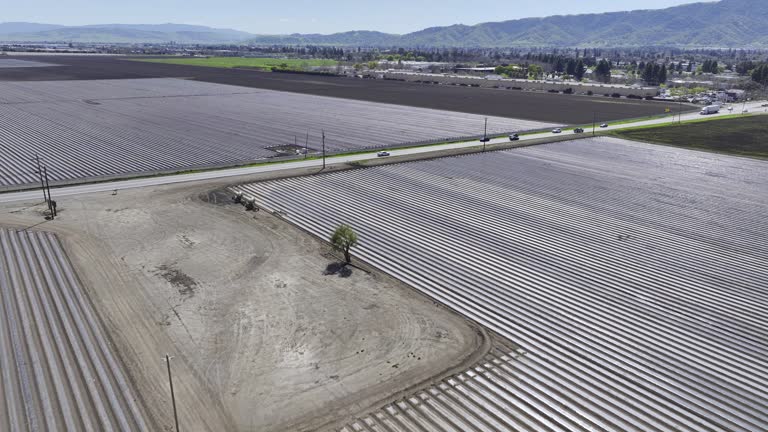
[308,16]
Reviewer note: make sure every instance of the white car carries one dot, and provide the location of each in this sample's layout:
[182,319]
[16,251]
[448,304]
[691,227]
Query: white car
[558,130]
[382,153]
[604,125]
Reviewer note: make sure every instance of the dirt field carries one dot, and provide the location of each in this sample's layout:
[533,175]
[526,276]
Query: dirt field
[554,108]
[265,332]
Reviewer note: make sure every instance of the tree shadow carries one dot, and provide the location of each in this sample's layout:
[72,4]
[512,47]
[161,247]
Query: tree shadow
[338,268]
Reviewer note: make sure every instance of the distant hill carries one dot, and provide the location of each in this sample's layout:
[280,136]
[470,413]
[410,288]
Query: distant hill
[25,27]
[722,24]
[352,38]
[727,23]
[120,33]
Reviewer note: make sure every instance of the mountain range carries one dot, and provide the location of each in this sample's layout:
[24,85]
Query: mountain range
[721,24]
[120,33]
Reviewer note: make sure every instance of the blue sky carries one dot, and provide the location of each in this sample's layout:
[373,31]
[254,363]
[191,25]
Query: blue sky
[308,16]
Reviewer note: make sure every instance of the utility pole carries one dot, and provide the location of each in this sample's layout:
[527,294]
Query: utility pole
[594,122]
[40,173]
[323,149]
[50,201]
[485,134]
[173,397]
[306,146]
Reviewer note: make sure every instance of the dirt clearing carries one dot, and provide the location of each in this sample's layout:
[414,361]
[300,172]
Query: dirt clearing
[265,332]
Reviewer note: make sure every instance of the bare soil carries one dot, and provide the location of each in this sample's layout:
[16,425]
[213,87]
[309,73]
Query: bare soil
[266,331]
[545,107]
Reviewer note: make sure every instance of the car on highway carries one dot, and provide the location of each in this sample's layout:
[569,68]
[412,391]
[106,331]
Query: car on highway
[604,125]
[514,137]
[578,130]
[558,130]
[765,105]
[382,153]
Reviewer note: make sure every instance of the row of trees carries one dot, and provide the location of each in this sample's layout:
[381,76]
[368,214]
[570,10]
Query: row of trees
[710,66]
[654,74]
[760,74]
[602,71]
[745,68]
[575,68]
[525,71]
[512,71]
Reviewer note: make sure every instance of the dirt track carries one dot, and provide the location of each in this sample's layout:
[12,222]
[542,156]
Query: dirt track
[262,338]
[553,108]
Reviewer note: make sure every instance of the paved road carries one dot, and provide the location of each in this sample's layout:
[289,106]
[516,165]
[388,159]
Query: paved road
[208,175]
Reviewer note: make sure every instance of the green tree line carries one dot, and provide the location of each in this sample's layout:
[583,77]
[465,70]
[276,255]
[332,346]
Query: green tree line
[760,74]
[654,74]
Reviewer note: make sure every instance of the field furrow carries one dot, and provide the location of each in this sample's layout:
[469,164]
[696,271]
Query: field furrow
[101,129]
[58,368]
[633,277]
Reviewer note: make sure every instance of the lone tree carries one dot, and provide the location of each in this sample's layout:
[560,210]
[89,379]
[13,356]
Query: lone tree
[343,239]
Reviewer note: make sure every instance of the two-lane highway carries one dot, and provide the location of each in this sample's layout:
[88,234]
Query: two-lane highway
[427,151]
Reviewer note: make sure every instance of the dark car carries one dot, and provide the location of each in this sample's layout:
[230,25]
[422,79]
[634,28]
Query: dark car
[514,137]
[578,130]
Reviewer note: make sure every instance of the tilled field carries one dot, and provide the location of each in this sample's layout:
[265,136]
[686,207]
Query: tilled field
[93,129]
[473,399]
[633,277]
[58,369]
[17,63]
[544,107]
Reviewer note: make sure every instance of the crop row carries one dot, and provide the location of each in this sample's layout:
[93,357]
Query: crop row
[95,129]
[58,369]
[633,276]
